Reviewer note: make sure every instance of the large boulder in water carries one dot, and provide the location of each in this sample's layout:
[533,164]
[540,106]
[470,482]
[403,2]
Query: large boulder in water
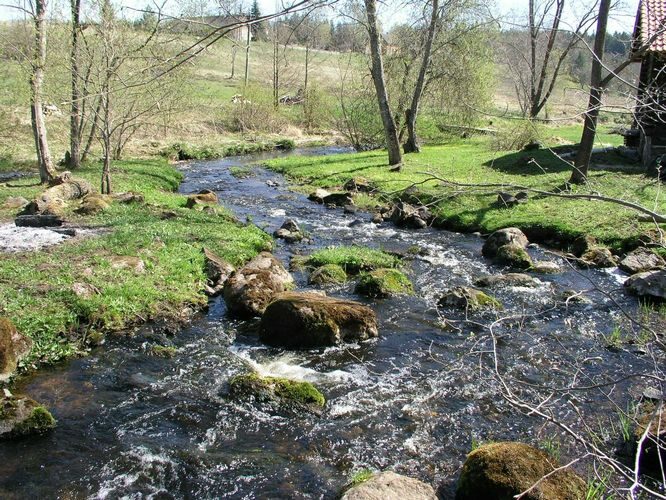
[13,347]
[406,215]
[390,486]
[250,289]
[513,255]
[22,416]
[296,320]
[463,297]
[503,470]
[501,237]
[504,280]
[648,285]
[640,261]
[598,257]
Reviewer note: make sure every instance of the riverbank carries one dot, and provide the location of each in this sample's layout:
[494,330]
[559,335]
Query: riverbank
[144,262]
[555,221]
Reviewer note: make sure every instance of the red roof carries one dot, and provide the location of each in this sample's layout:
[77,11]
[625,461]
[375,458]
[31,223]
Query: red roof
[651,23]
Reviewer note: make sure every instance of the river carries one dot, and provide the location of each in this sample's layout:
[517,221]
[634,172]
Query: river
[414,400]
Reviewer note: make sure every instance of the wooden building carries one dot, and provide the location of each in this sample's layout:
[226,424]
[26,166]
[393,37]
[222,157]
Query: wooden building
[649,49]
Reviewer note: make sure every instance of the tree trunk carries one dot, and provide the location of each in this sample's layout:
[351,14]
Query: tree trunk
[276,69]
[412,145]
[584,154]
[234,49]
[91,135]
[106,172]
[247,59]
[46,169]
[390,130]
[75,116]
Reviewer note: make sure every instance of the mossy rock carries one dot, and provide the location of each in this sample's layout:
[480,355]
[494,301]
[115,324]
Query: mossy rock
[330,274]
[503,470]
[514,256]
[389,485]
[469,298]
[94,204]
[21,416]
[299,320]
[384,283]
[283,391]
[353,259]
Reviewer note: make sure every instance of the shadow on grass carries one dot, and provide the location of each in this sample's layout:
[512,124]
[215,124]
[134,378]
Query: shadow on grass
[550,161]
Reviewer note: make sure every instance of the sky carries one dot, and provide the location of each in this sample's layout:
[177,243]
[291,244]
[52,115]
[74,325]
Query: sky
[622,19]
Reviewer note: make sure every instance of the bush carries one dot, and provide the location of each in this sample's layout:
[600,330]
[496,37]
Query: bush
[256,112]
[516,136]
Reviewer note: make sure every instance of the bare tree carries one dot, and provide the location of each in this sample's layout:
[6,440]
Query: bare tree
[536,71]
[377,70]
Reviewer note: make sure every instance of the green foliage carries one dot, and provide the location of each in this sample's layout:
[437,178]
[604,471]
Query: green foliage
[328,274]
[353,259]
[37,291]
[552,447]
[161,351]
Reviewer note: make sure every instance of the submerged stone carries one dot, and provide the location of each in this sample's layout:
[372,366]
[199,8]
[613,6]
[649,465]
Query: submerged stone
[598,257]
[503,470]
[283,391]
[463,297]
[508,279]
[301,320]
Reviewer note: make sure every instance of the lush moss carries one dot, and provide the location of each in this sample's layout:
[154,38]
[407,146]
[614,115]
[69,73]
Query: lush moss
[282,389]
[328,274]
[353,259]
[384,283]
[361,477]
[37,289]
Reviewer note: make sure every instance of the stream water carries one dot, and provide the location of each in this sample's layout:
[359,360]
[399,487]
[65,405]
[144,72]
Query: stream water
[414,400]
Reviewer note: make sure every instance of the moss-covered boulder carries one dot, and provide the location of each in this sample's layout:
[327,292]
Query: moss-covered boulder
[330,274]
[250,289]
[501,237]
[545,267]
[389,485]
[513,255]
[505,280]
[353,259]
[14,346]
[468,298]
[284,392]
[22,416]
[303,320]
[503,470]
[384,283]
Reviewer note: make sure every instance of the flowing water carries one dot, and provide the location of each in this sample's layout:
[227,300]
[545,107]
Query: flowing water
[414,400]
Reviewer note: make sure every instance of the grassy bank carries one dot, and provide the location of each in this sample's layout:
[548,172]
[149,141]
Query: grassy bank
[475,161]
[38,291]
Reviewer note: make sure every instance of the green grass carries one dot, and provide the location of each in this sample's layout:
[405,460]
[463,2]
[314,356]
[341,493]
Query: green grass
[473,161]
[36,288]
[353,259]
